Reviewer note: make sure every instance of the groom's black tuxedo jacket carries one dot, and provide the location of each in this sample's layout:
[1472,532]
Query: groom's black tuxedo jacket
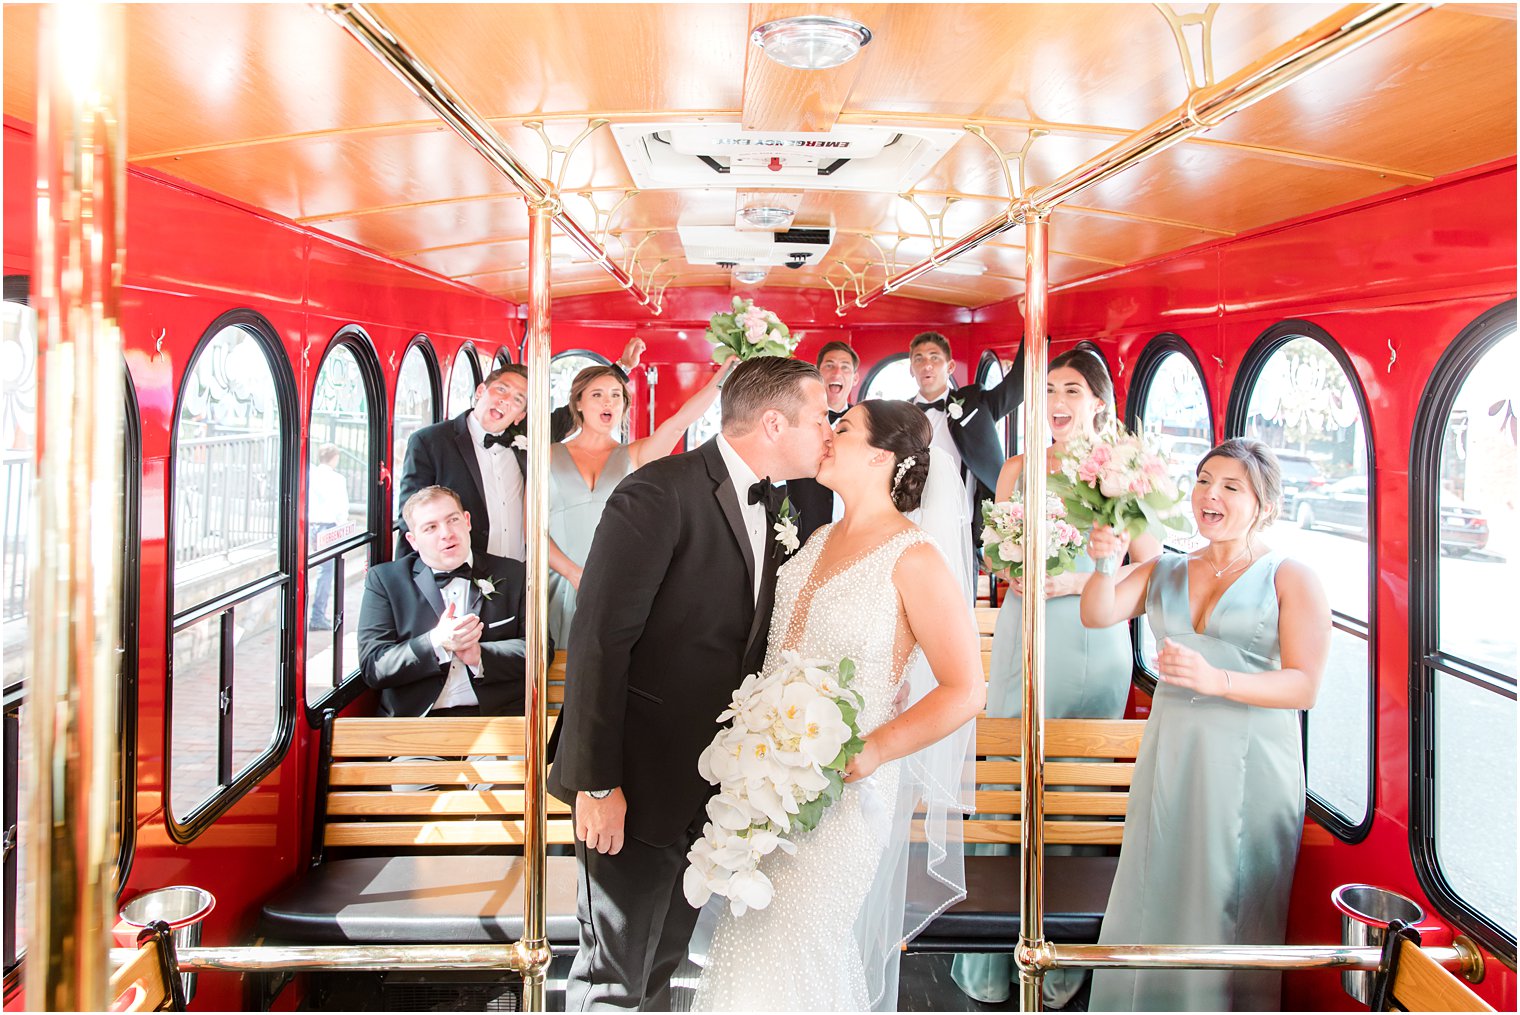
[975,433]
[402,605]
[666,626]
[444,455]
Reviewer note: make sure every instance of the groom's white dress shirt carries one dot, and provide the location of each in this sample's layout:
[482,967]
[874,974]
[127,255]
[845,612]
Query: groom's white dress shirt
[754,514]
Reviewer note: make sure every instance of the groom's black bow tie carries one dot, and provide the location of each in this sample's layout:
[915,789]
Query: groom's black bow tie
[763,491]
[926,406]
[503,438]
[464,571]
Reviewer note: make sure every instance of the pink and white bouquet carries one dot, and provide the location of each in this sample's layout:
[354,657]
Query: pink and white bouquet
[1119,481]
[1003,536]
[778,765]
[747,331]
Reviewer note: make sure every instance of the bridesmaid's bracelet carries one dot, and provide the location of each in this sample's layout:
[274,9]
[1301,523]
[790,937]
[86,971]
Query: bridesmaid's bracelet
[1227,686]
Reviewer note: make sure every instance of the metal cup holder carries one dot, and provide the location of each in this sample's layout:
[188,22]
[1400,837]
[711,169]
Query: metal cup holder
[1366,911]
[183,908]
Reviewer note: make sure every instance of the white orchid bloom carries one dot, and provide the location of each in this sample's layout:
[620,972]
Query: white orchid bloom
[827,731]
[794,702]
[694,884]
[773,805]
[749,890]
[730,811]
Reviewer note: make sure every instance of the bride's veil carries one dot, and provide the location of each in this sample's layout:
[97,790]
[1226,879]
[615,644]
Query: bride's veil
[923,871]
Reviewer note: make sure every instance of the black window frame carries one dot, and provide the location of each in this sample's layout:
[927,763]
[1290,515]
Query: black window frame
[1426,658]
[1147,365]
[475,370]
[1236,414]
[205,813]
[882,364]
[348,686]
[16,289]
[424,345]
[1009,423]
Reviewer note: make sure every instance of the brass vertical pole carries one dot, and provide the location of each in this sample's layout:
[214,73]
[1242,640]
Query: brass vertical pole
[536,358]
[1032,943]
[72,677]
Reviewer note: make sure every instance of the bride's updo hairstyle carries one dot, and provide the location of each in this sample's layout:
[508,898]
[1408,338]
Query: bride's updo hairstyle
[903,429]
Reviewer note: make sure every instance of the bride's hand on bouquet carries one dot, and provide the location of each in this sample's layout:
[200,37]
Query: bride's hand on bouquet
[863,764]
[1105,542]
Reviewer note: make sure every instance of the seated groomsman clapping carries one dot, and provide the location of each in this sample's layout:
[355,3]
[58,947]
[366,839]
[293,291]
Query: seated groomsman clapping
[441,631]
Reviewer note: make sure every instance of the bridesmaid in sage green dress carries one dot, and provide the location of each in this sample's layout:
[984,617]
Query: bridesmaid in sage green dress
[588,466]
[1216,805]
[1087,671]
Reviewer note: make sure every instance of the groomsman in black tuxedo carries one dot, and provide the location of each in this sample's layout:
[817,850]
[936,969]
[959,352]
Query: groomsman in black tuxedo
[441,631]
[480,455]
[816,504]
[964,419]
[674,610]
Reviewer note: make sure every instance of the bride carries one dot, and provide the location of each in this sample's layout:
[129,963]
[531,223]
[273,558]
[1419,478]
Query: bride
[886,857]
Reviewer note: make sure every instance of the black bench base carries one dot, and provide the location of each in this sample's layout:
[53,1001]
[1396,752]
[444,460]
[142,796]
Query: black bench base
[433,899]
[987,920]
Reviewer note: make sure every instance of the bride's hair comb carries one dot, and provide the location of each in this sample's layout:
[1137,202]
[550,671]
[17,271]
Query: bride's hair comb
[902,470]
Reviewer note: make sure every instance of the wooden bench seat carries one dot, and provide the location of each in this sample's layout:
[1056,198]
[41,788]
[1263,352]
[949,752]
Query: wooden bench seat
[452,870]
[1076,887]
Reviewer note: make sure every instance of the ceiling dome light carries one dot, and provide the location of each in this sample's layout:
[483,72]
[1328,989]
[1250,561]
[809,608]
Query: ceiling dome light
[749,276]
[811,41]
[766,216]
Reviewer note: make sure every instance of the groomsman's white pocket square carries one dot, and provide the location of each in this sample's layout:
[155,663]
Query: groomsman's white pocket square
[501,622]
[970,417]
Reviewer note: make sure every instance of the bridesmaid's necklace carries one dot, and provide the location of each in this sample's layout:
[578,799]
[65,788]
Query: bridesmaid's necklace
[1233,561]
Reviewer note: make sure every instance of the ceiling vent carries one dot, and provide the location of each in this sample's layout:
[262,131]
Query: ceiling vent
[729,247]
[851,157]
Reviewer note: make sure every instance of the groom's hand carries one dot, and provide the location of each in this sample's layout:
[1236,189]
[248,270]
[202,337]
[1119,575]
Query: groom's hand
[599,823]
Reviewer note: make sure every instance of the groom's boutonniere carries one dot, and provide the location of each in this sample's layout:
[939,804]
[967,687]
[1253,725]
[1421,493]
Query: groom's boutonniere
[786,527]
[486,586]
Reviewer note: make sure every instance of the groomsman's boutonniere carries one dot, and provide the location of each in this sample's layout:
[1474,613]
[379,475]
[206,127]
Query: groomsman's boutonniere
[486,586]
[520,442]
[786,527]
[955,408]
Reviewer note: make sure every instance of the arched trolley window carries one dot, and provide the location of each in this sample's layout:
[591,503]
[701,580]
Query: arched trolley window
[418,398]
[989,374]
[345,447]
[232,563]
[1464,541]
[464,378]
[1169,403]
[1298,393]
[891,377]
[18,405]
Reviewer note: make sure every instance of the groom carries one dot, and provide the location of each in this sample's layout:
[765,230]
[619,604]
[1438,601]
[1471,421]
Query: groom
[674,610]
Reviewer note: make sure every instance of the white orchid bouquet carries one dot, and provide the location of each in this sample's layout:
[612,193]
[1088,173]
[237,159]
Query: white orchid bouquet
[747,331]
[1003,536]
[778,765]
[1118,480]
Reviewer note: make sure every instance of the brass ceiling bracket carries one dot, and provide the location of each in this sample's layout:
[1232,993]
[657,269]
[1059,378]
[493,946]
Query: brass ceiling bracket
[1203,39]
[565,151]
[934,222]
[840,300]
[1016,187]
[631,260]
[604,216]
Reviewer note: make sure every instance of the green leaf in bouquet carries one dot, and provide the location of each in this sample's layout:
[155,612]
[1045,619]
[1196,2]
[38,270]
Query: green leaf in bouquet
[770,347]
[721,352]
[806,818]
[846,671]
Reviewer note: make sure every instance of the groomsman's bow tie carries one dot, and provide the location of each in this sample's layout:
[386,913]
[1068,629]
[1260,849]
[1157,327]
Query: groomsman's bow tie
[926,406]
[502,438]
[464,571]
[835,417]
[763,491]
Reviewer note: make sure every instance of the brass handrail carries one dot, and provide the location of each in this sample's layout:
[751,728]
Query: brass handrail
[1346,30]
[427,84]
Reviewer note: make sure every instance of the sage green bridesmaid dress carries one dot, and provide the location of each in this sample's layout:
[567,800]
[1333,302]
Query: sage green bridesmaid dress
[575,511]
[1216,810]
[1087,677]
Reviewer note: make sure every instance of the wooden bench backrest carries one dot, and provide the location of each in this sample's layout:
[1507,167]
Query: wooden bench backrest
[138,985]
[1422,984]
[1104,750]
[364,810]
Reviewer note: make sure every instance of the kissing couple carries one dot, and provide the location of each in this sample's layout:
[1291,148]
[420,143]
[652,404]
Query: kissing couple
[688,588]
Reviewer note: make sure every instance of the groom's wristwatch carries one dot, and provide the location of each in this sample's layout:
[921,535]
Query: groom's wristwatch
[598,794]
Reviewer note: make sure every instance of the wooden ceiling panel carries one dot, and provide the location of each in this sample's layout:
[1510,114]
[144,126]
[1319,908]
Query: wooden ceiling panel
[1432,97]
[435,224]
[519,59]
[328,175]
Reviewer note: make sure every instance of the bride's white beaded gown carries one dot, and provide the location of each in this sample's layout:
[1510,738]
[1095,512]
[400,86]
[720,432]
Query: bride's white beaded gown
[804,951]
